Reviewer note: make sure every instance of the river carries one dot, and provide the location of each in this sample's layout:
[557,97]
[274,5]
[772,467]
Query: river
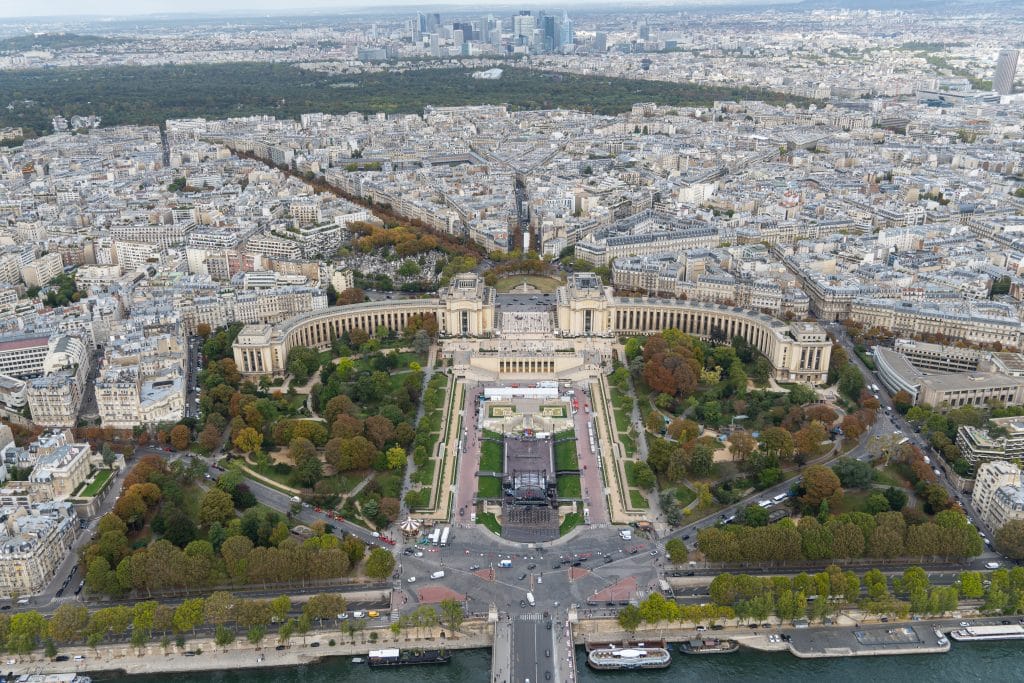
[965,662]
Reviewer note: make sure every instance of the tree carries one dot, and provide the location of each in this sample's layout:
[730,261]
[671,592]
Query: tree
[209,438]
[777,441]
[1009,539]
[224,636]
[643,476]
[897,498]
[255,634]
[741,445]
[676,550]
[852,427]
[280,606]
[396,458]
[421,342]
[876,502]
[68,622]
[629,618]
[203,330]
[853,473]
[820,484]
[216,506]
[180,437]
[25,632]
[452,613]
[248,440]
[902,401]
[380,564]
[702,461]
[809,441]
[755,515]
[851,382]
[351,296]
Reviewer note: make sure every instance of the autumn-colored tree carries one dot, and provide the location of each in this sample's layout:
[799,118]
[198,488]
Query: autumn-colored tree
[203,330]
[379,429]
[209,438]
[820,412]
[248,440]
[350,296]
[777,441]
[852,427]
[810,441]
[346,426]
[741,445]
[902,401]
[820,483]
[180,437]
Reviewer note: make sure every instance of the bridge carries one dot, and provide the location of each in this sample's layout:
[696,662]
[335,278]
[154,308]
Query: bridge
[533,647]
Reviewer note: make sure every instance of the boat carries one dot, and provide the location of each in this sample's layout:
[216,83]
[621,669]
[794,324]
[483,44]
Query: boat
[396,657]
[610,658]
[358,660]
[51,678]
[994,632]
[708,646]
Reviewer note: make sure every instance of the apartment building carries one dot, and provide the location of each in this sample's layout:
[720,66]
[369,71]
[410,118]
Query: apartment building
[39,272]
[23,355]
[55,398]
[62,471]
[34,541]
[998,496]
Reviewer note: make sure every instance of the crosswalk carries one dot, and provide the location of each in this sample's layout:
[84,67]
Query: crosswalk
[533,616]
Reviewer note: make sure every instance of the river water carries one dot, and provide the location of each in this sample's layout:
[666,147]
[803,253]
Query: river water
[989,662]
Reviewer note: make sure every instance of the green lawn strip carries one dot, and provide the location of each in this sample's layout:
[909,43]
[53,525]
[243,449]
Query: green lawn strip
[488,487]
[685,495]
[569,486]
[425,474]
[565,456]
[491,434]
[638,500]
[630,476]
[490,457]
[489,520]
[284,479]
[97,485]
[622,407]
[571,521]
[628,444]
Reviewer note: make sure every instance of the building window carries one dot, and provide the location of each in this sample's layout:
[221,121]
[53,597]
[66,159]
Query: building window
[588,322]
[465,322]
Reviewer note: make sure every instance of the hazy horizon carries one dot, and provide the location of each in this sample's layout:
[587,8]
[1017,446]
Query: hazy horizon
[121,8]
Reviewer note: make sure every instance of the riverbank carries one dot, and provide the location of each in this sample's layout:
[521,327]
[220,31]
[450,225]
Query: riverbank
[152,659]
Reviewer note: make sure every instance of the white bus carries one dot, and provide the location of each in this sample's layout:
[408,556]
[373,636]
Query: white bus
[781,497]
[444,536]
[435,537]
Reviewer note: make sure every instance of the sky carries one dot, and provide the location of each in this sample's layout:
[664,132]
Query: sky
[22,8]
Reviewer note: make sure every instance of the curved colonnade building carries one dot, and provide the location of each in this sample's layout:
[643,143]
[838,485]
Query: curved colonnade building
[584,311]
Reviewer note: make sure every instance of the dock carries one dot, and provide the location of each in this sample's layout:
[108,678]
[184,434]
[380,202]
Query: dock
[873,641]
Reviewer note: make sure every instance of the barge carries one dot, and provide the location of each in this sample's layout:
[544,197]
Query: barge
[615,658]
[396,657]
[708,646]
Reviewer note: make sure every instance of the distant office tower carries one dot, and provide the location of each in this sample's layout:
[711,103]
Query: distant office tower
[523,25]
[1006,71]
[568,34]
[645,31]
[600,42]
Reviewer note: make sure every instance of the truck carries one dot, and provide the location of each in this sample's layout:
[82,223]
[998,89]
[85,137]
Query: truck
[530,599]
[444,536]
[438,574]
[296,500]
[435,537]
[505,564]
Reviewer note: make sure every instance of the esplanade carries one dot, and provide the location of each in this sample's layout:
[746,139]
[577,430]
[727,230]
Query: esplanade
[583,309]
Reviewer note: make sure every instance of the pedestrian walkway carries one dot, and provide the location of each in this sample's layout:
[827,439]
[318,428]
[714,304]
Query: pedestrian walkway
[501,652]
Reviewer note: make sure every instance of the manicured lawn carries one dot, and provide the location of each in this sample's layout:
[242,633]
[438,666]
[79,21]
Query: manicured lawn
[489,520]
[628,444]
[630,475]
[638,500]
[569,486]
[281,472]
[504,410]
[888,478]
[571,521]
[565,456]
[544,284]
[97,485]
[622,407]
[853,501]
[491,434]
[425,474]
[685,496]
[489,487]
[491,457]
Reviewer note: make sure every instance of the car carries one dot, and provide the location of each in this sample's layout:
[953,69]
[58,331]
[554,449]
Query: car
[373,614]
[965,624]
[522,603]
[190,653]
[654,553]
[701,629]
[531,567]
[686,537]
[358,614]
[1006,621]
[61,658]
[411,579]
[474,567]
[556,565]
[752,626]
[766,625]
[408,552]
[717,627]
[607,559]
[419,553]
[577,563]
[343,616]
[279,648]
[314,644]
[547,675]
[547,653]
[521,577]
[547,625]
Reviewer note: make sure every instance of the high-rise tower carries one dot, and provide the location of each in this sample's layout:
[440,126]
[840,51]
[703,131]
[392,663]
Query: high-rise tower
[1006,71]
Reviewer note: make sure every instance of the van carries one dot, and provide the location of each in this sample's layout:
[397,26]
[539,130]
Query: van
[23,602]
[991,565]
[295,499]
[530,599]
[505,564]
[437,575]
[764,503]
[781,497]
[626,534]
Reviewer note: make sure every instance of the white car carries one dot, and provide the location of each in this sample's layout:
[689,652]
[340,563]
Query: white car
[411,579]
[965,623]
[419,553]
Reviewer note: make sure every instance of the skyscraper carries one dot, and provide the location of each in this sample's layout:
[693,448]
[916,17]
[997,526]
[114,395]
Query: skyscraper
[1006,71]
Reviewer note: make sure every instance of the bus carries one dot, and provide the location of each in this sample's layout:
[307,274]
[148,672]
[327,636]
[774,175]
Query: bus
[444,536]
[435,536]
